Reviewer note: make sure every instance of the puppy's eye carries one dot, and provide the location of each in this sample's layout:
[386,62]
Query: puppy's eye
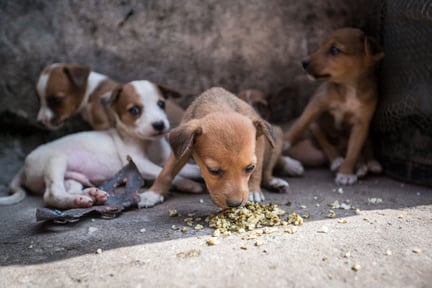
[334,51]
[250,168]
[134,110]
[215,171]
[55,100]
[161,104]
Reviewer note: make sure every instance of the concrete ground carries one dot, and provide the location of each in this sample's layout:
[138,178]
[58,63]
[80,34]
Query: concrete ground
[382,244]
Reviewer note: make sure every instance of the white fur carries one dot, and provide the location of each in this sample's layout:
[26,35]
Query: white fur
[93,81]
[45,114]
[61,168]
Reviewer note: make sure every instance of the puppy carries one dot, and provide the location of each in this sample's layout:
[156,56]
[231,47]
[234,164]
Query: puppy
[283,165]
[65,90]
[223,135]
[342,107]
[66,170]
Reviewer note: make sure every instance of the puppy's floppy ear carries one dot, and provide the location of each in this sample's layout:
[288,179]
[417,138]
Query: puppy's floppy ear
[265,128]
[77,74]
[115,95]
[373,49]
[168,92]
[183,137]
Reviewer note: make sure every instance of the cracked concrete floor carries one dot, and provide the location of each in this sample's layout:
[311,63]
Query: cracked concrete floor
[388,243]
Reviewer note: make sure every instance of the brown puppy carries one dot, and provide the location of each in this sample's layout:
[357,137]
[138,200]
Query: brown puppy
[343,106]
[222,134]
[282,165]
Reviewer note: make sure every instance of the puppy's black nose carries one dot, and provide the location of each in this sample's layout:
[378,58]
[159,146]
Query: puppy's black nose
[158,125]
[305,64]
[234,203]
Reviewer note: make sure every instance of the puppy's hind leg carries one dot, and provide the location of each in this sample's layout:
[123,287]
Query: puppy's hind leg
[55,194]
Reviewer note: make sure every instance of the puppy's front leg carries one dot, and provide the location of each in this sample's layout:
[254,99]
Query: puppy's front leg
[160,187]
[357,138]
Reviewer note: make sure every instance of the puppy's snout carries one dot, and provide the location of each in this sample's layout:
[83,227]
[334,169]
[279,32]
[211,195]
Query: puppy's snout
[158,126]
[305,64]
[234,203]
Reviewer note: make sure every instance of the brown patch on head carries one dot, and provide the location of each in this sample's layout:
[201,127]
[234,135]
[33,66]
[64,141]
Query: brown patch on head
[168,92]
[65,90]
[341,57]
[224,149]
[126,104]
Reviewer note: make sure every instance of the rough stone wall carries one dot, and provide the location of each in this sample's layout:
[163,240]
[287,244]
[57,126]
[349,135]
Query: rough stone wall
[189,45]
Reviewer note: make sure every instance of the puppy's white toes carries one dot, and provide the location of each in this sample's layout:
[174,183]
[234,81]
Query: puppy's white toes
[292,167]
[187,185]
[362,171]
[345,179]
[336,163]
[278,185]
[375,167]
[256,196]
[149,199]
[82,201]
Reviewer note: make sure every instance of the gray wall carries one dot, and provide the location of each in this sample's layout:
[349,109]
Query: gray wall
[189,45]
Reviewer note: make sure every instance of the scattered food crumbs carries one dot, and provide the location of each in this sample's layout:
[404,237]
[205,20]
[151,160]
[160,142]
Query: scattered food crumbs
[192,214]
[315,197]
[288,203]
[174,227]
[251,216]
[216,233]
[259,243]
[30,246]
[198,227]
[291,230]
[317,205]
[340,190]
[366,219]
[92,230]
[342,221]
[374,200]
[346,254]
[306,216]
[356,267]
[345,206]
[212,241]
[331,214]
[303,206]
[295,219]
[243,247]
[191,253]
[325,259]
[334,205]
[265,251]
[142,230]
[184,229]
[357,211]
[388,252]
[201,201]
[400,216]
[98,251]
[173,213]
[416,250]
[323,229]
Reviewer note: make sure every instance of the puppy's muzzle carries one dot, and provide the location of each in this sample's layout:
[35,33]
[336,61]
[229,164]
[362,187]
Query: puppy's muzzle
[234,203]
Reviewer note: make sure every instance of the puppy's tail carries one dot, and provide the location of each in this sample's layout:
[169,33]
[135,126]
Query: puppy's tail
[17,192]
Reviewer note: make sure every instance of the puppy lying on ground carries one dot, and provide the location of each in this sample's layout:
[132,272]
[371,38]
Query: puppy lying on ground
[223,135]
[283,165]
[342,107]
[66,170]
[65,90]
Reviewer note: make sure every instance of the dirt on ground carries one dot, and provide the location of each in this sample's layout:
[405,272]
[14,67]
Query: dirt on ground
[379,236]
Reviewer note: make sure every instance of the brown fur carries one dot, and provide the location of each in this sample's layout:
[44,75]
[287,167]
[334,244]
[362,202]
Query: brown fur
[222,134]
[342,107]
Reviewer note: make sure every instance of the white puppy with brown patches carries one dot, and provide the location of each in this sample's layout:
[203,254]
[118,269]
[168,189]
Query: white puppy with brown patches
[68,170]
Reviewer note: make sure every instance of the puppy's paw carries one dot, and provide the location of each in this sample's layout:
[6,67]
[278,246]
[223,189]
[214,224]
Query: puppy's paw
[149,199]
[186,185]
[374,167]
[336,163]
[277,185]
[362,171]
[345,179]
[256,196]
[291,167]
[98,196]
[82,201]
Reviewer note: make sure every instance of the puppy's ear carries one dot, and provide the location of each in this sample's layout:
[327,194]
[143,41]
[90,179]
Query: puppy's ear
[265,128]
[77,74]
[373,49]
[115,95]
[168,92]
[183,137]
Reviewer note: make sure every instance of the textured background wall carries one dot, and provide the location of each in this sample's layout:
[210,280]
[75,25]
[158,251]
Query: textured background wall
[189,45]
